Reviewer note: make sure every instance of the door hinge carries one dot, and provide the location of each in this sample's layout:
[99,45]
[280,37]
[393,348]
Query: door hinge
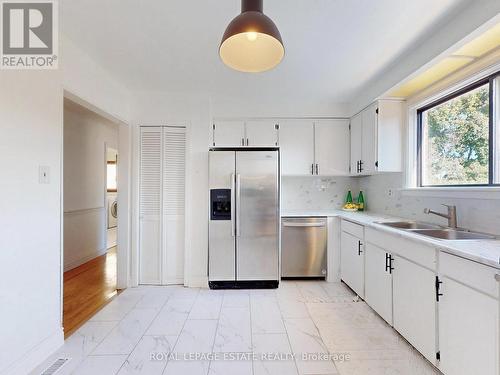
[438,356]
[276,126]
[438,287]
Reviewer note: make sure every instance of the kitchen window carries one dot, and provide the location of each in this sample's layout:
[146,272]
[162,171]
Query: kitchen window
[456,138]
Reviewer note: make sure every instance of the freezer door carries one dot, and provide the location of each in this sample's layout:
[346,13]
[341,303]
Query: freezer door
[257,215]
[221,244]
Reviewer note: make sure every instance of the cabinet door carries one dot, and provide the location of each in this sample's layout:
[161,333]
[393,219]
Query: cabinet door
[468,330]
[261,134]
[352,262]
[173,204]
[378,281]
[331,139]
[414,305]
[297,147]
[356,129]
[369,139]
[228,134]
[150,185]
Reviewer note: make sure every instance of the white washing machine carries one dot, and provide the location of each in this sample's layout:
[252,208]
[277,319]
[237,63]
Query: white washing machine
[112,210]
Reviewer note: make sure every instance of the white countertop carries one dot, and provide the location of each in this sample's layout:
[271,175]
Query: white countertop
[486,252]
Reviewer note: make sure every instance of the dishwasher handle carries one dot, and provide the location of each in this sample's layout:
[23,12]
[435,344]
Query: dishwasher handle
[302,224]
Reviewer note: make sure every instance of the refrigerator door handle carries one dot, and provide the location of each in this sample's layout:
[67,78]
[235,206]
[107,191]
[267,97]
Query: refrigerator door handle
[233,221]
[238,196]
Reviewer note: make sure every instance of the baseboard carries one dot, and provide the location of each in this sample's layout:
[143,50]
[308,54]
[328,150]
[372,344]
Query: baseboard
[197,282]
[37,355]
[83,260]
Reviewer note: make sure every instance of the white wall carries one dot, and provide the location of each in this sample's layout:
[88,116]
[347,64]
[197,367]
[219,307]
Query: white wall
[85,79]
[86,135]
[262,105]
[30,218]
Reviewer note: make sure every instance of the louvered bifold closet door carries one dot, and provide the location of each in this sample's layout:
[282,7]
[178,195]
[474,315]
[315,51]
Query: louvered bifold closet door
[150,196]
[173,205]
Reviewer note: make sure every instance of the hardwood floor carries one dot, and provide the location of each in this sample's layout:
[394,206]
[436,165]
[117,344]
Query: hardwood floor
[88,288]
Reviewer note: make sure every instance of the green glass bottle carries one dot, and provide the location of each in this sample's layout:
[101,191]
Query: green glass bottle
[361,201]
[349,197]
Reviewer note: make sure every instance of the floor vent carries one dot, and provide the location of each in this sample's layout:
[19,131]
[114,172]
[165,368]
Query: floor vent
[56,366]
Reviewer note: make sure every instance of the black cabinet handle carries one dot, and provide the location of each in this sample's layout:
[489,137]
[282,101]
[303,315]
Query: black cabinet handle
[247,141]
[361,166]
[317,169]
[359,248]
[438,287]
[357,166]
[312,168]
[387,265]
[243,141]
[391,268]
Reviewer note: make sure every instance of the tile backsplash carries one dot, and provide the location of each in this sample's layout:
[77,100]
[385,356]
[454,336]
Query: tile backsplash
[313,193]
[383,195]
[478,214]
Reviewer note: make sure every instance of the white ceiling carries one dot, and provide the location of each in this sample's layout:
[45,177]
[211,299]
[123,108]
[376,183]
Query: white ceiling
[333,47]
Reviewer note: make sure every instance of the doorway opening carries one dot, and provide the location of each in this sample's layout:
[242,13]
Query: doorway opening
[90,213]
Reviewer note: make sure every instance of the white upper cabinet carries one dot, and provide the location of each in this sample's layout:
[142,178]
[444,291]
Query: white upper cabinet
[308,147]
[356,129]
[228,133]
[376,138]
[239,133]
[369,137]
[261,133]
[296,140]
[331,147]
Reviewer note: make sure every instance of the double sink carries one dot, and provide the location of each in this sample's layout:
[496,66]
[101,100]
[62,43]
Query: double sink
[436,231]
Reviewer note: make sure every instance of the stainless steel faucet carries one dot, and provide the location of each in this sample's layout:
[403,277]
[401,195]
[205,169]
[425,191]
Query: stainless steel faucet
[451,216]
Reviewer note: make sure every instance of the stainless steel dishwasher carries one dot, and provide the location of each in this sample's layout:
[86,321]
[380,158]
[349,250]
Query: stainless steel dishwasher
[303,246]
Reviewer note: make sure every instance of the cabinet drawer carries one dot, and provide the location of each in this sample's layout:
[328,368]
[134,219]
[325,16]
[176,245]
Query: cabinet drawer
[411,250]
[356,230]
[472,274]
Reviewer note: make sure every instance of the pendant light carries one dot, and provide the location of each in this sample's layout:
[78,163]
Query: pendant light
[252,42]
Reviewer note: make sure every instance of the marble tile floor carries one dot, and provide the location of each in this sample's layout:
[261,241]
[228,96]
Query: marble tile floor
[301,328]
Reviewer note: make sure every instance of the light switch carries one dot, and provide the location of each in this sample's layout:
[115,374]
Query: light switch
[44,174]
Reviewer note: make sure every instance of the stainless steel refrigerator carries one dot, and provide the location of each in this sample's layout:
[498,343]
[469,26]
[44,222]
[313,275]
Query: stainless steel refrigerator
[244,218]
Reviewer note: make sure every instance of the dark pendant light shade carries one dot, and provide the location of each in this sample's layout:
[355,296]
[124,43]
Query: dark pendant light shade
[252,42]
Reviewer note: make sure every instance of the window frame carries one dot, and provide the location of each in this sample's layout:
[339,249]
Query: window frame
[490,80]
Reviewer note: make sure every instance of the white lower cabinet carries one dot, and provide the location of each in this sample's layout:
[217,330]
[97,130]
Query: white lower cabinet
[468,318]
[446,307]
[414,305]
[378,281]
[352,262]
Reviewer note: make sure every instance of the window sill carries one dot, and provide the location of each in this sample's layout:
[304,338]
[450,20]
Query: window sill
[473,192]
